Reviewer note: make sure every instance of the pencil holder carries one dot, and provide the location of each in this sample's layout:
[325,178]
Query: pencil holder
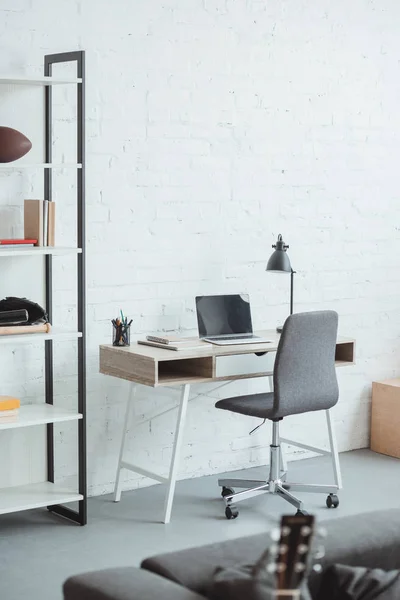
[121,334]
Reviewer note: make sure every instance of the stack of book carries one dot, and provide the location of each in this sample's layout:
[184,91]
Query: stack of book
[173,342]
[9,408]
[39,221]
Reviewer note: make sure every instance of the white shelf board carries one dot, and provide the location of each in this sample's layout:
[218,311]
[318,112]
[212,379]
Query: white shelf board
[39,414]
[38,251]
[34,338]
[34,495]
[16,166]
[32,80]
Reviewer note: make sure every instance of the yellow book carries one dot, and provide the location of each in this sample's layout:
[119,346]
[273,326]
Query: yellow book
[9,403]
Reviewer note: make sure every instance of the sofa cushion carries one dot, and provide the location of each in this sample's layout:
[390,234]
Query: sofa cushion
[195,567]
[342,582]
[237,583]
[126,583]
[371,540]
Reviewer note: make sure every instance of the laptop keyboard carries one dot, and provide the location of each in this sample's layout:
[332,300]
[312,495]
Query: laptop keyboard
[233,337]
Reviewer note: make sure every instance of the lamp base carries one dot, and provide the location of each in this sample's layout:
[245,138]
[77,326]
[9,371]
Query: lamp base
[279,329]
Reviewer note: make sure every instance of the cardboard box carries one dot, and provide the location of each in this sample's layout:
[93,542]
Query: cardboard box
[385,417]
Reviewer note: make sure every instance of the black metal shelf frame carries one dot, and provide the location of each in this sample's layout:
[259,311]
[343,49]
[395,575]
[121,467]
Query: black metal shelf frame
[78,57]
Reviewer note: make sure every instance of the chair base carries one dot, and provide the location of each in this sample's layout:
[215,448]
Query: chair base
[279,487]
[275,484]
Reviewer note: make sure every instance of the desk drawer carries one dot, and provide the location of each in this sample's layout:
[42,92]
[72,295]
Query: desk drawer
[244,364]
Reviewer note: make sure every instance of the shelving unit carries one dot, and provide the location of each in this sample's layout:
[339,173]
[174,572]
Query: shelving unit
[56,333]
[40,414]
[39,251]
[47,493]
[40,81]
[35,495]
[18,166]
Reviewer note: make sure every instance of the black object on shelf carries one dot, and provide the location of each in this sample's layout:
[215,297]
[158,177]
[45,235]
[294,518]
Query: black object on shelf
[279,262]
[78,58]
[34,312]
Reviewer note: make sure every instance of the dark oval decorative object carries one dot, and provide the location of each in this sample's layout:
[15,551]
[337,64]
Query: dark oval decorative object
[13,145]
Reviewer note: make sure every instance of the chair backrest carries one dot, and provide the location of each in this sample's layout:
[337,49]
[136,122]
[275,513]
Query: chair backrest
[304,371]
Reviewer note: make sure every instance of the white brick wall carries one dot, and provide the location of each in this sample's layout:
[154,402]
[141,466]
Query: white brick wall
[214,125]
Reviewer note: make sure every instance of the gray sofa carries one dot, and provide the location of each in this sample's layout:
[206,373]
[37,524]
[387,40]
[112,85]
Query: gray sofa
[370,540]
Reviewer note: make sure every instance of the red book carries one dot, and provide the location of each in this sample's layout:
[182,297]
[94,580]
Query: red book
[12,242]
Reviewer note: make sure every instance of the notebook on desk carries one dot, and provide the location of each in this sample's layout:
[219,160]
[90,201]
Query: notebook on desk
[171,339]
[226,320]
[176,346]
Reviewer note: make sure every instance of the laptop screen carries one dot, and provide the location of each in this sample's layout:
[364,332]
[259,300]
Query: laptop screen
[223,315]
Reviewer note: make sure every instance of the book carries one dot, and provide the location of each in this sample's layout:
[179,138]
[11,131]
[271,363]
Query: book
[17,242]
[2,246]
[51,224]
[9,416]
[9,403]
[33,220]
[177,347]
[9,413]
[45,222]
[171,339]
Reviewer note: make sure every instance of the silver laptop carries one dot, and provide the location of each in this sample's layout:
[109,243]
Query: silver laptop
[225,320]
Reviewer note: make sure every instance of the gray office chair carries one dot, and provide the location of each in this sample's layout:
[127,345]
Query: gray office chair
[304,380]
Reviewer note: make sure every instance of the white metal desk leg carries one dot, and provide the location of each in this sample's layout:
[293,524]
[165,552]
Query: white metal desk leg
[180,424]
[117,487]
[334,450]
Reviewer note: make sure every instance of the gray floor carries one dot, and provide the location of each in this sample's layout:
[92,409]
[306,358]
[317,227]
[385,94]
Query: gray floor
[38,551]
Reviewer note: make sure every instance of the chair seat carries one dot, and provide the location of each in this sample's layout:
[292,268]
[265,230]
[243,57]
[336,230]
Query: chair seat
[253,405]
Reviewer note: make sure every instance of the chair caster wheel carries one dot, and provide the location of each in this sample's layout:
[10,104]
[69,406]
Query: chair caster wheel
[332,501]
[227,491]
[301,513]
[231,512]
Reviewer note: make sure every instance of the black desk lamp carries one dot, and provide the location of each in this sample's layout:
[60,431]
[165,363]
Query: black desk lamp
[279,262]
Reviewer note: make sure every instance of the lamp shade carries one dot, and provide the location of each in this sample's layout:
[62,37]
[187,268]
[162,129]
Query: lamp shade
[279,261]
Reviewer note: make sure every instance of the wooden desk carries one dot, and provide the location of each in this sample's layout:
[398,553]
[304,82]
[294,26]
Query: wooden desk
[156,367]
